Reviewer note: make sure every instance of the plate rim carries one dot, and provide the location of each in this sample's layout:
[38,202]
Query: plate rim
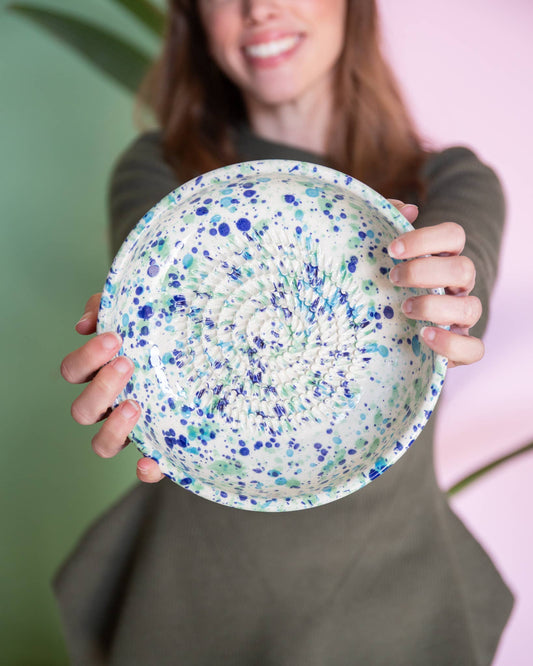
[330,176]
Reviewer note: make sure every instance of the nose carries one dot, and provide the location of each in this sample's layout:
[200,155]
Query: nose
[257,11]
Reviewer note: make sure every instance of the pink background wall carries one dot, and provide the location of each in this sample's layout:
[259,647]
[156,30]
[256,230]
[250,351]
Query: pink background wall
[467,70]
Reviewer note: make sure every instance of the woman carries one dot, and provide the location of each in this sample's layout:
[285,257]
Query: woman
[387,575]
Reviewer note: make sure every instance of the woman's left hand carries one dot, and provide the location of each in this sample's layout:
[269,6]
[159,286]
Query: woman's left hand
[445,268]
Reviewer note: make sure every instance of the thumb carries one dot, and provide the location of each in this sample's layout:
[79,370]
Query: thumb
[409,211]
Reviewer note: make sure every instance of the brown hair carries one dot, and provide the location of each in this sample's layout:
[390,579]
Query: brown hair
[372,136]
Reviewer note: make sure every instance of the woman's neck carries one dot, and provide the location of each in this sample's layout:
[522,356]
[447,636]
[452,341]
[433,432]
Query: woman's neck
[303,123]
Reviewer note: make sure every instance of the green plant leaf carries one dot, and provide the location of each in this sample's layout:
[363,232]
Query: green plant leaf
[147,13]
[122,61]
[467,480]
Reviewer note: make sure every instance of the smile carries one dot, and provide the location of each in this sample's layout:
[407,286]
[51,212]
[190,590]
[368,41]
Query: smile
[273,48]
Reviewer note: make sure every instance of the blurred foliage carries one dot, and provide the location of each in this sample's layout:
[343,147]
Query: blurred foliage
[125,62]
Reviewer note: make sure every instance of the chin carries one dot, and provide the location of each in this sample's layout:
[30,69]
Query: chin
[274,97]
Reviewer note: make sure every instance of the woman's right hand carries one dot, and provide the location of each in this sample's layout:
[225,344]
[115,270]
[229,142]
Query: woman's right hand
[90,363]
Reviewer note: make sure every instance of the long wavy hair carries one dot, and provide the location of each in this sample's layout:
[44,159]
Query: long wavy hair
[372,136]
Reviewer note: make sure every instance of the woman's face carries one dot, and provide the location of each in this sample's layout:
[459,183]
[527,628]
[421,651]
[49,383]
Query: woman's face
[275,51]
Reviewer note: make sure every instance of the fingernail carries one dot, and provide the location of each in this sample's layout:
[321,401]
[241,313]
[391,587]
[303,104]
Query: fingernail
[143,468]
[110,340]
[409,208]
[83,318]
[128,409]
[396,248]
[428,333]
[122,365]
[394,275]
[407,306]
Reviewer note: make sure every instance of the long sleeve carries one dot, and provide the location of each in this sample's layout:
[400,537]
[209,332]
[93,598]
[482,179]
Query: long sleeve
[463,189]
[139,179]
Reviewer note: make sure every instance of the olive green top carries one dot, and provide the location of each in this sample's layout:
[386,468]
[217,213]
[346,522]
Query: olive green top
[387,576]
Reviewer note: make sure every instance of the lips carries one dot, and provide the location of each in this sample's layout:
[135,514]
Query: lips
[268,50]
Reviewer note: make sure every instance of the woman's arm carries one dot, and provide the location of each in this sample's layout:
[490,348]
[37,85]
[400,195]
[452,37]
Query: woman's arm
[139,180]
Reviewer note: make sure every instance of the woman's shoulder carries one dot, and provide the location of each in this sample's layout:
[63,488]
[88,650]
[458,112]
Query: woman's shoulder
[140,177]
[145,147]
[456,159]
[459,167]
[141,169]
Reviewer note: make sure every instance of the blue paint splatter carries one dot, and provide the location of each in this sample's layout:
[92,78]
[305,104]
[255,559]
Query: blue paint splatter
[243,224]
[145,312]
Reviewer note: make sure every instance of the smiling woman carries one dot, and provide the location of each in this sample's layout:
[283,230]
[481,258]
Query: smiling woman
[330,94]
[388,574]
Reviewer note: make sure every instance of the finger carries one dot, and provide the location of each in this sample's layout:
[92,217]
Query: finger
[444,310]
[112,436]
[79,366]
[447,237]
[87,322]
[101,392]
[148,471]
[457,272]
[458,349]
[409,211]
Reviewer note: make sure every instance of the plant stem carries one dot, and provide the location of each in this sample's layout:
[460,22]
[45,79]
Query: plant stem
[467,480]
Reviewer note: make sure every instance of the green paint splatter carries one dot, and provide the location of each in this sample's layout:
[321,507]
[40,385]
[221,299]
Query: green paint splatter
[225,468]
[369,287]
[394,396]
[372,448]
[163,249]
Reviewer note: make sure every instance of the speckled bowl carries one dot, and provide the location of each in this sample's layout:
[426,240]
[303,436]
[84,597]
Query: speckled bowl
[273,364]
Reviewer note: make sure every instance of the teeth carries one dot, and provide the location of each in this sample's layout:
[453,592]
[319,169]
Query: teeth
[274,48]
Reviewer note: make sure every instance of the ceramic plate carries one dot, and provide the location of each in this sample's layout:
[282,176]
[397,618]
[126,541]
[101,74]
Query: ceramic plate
[273,365]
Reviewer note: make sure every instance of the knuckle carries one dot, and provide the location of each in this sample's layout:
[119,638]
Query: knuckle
[106,381]
[458,232]
[422,306]
[79,414]
[448,344]
[467,310]
[66,371]
[99,448]
[465,270]
[474,309]
[410,272]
